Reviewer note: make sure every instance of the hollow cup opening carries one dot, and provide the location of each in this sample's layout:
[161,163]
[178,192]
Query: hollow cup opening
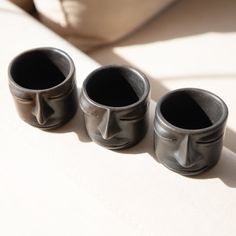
[40,69]
[115,86]
[191,109]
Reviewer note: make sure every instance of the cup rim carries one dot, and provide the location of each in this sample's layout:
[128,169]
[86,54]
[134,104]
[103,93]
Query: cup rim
[41,49]
[141,75]
[167,124]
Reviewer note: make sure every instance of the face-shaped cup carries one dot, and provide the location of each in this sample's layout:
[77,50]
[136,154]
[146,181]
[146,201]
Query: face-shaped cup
[42,82]
[189,127]
[114,100]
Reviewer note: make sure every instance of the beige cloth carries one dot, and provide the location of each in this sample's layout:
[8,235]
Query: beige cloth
[90,23]
[26,5]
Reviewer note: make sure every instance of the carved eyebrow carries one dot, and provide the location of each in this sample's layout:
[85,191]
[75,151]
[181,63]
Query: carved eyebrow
[172,138]
[134,118]
[25,99]
[207,140]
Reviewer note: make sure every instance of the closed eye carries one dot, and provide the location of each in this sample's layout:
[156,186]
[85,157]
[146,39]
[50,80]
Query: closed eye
[209,140]
[168,139]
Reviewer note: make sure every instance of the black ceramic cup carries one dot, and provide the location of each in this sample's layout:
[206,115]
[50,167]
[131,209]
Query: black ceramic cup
[42,83]
[114,100]
[189,127]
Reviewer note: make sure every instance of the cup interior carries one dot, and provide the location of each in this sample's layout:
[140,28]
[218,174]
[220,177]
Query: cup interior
[40,69]
[115,86]
[191,109]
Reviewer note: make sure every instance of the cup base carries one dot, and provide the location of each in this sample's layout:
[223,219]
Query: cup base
[186,172]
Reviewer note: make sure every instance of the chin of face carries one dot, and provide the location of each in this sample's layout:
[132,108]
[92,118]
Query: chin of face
[112,143]
[196,168]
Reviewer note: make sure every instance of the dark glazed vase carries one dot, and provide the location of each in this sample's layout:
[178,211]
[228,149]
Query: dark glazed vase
[114,100]
[189,127]
[42,83]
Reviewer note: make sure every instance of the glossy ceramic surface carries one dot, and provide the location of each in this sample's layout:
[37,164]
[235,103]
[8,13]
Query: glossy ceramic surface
[114,100]
[42,82]
[189,128]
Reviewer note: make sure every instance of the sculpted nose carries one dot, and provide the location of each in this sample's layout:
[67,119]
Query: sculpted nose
[185,155]
[42,110]
[108,127]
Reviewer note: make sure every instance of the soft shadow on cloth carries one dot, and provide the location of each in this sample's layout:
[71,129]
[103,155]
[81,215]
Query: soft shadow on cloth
[186,18]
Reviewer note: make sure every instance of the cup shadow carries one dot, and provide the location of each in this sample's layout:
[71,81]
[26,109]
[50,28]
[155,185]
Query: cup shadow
[181,19]
[224,169]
